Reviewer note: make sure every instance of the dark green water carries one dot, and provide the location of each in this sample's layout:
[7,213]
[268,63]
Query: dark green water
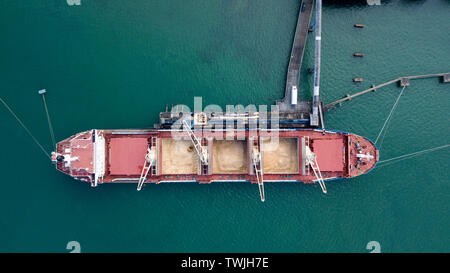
[117,63]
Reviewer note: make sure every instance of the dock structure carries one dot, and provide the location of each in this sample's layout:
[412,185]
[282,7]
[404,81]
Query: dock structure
[316,112]
[288,103]
[403,81]
[292,112]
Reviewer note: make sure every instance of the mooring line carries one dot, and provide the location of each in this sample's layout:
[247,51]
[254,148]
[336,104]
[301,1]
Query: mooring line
[390,115]
[50,127]
[407,156]
[384,134]
[25,127]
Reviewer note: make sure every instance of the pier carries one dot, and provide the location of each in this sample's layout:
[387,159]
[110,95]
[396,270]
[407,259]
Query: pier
[295,62]
[446,78]
[292,112]
[403,81]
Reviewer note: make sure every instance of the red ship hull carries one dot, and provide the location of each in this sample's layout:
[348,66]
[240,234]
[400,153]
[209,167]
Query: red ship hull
[118,156]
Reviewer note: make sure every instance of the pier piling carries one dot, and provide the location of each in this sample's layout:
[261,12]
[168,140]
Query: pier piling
[403,81]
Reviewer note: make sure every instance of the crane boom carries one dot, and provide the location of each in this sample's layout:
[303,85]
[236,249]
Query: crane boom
[256,160]
[311,160]
[150,159]
[201,151]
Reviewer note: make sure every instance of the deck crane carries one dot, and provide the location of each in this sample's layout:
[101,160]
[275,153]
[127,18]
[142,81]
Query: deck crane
[311,160]
[150,159]
[256,160]
[201,151]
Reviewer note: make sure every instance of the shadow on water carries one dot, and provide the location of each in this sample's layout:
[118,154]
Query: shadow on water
[416,2]
[350,3]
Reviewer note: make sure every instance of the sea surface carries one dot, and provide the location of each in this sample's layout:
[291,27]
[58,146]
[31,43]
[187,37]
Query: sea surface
[116,64]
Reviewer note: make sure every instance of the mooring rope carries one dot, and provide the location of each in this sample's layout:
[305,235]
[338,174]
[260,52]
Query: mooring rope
[407,156]
[388,119]
[50,127]
[25,128]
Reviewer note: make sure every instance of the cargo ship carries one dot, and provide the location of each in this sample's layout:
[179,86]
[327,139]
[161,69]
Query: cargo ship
[209,156]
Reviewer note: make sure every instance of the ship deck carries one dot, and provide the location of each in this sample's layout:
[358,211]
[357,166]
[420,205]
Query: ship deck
[229,152]
[229,157]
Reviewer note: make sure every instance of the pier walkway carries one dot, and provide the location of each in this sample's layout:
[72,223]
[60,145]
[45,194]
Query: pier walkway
[295,62]
[402,80]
